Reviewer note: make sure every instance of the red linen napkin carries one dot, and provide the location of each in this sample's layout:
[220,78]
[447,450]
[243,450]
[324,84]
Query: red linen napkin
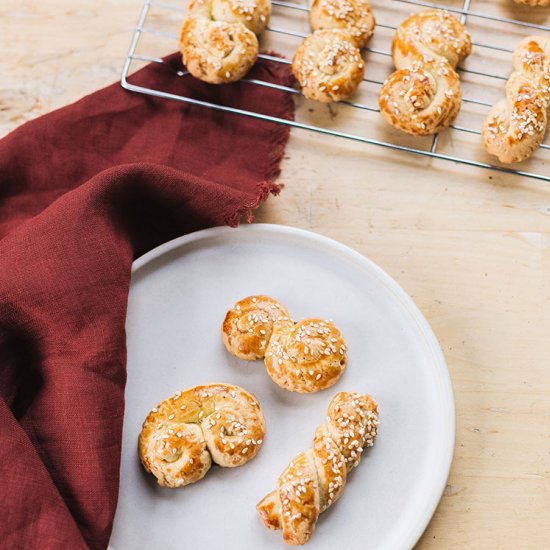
[84,191]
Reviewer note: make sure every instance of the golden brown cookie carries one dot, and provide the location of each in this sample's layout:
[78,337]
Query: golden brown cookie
[306,357]
[424,96]
[253,14]
[315,479]
[217,52]
[328,66]
[353,16]
[516,125]
[248,325]
[185,433]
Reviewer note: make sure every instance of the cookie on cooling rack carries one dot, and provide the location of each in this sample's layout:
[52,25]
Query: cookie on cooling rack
[218,39]
[217,52]
[328,66]
[353,16]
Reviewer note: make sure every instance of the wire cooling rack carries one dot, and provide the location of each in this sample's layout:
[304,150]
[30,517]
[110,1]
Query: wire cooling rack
[483,75]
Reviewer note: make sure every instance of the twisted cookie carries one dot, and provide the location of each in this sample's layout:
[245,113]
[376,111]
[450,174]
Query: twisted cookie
[315,479]
[423,96]
[253,14]
[328,66]
[218,41]
[247,328]
[307,356]
[353,16]
[303,357]
[516,125]
[184,434]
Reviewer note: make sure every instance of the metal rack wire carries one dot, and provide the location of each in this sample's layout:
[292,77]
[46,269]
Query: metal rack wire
[433,151]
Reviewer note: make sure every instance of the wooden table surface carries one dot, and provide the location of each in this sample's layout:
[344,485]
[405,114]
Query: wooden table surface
[471,247]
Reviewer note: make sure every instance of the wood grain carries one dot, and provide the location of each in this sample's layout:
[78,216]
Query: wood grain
[471,247]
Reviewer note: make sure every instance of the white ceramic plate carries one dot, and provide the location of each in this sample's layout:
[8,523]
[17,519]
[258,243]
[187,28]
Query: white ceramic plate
[179,295]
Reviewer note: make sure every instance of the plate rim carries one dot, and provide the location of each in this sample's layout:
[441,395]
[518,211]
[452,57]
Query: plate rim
[413,535]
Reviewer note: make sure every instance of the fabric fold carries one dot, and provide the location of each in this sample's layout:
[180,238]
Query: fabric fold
[83,192]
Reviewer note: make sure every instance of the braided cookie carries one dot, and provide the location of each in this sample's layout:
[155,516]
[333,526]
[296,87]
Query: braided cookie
[354,16]
[218,41]
[328,66]
[516,125]
[315,479]
[303,357]
[423,96]
[185,433]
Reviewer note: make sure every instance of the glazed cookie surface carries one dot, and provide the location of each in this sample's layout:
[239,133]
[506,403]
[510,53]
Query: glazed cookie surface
[184,434]
[424,95]
[315,479]
[306,357]
[328,66]
[517,124]
[217,52]
[353,16]
[248,326]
